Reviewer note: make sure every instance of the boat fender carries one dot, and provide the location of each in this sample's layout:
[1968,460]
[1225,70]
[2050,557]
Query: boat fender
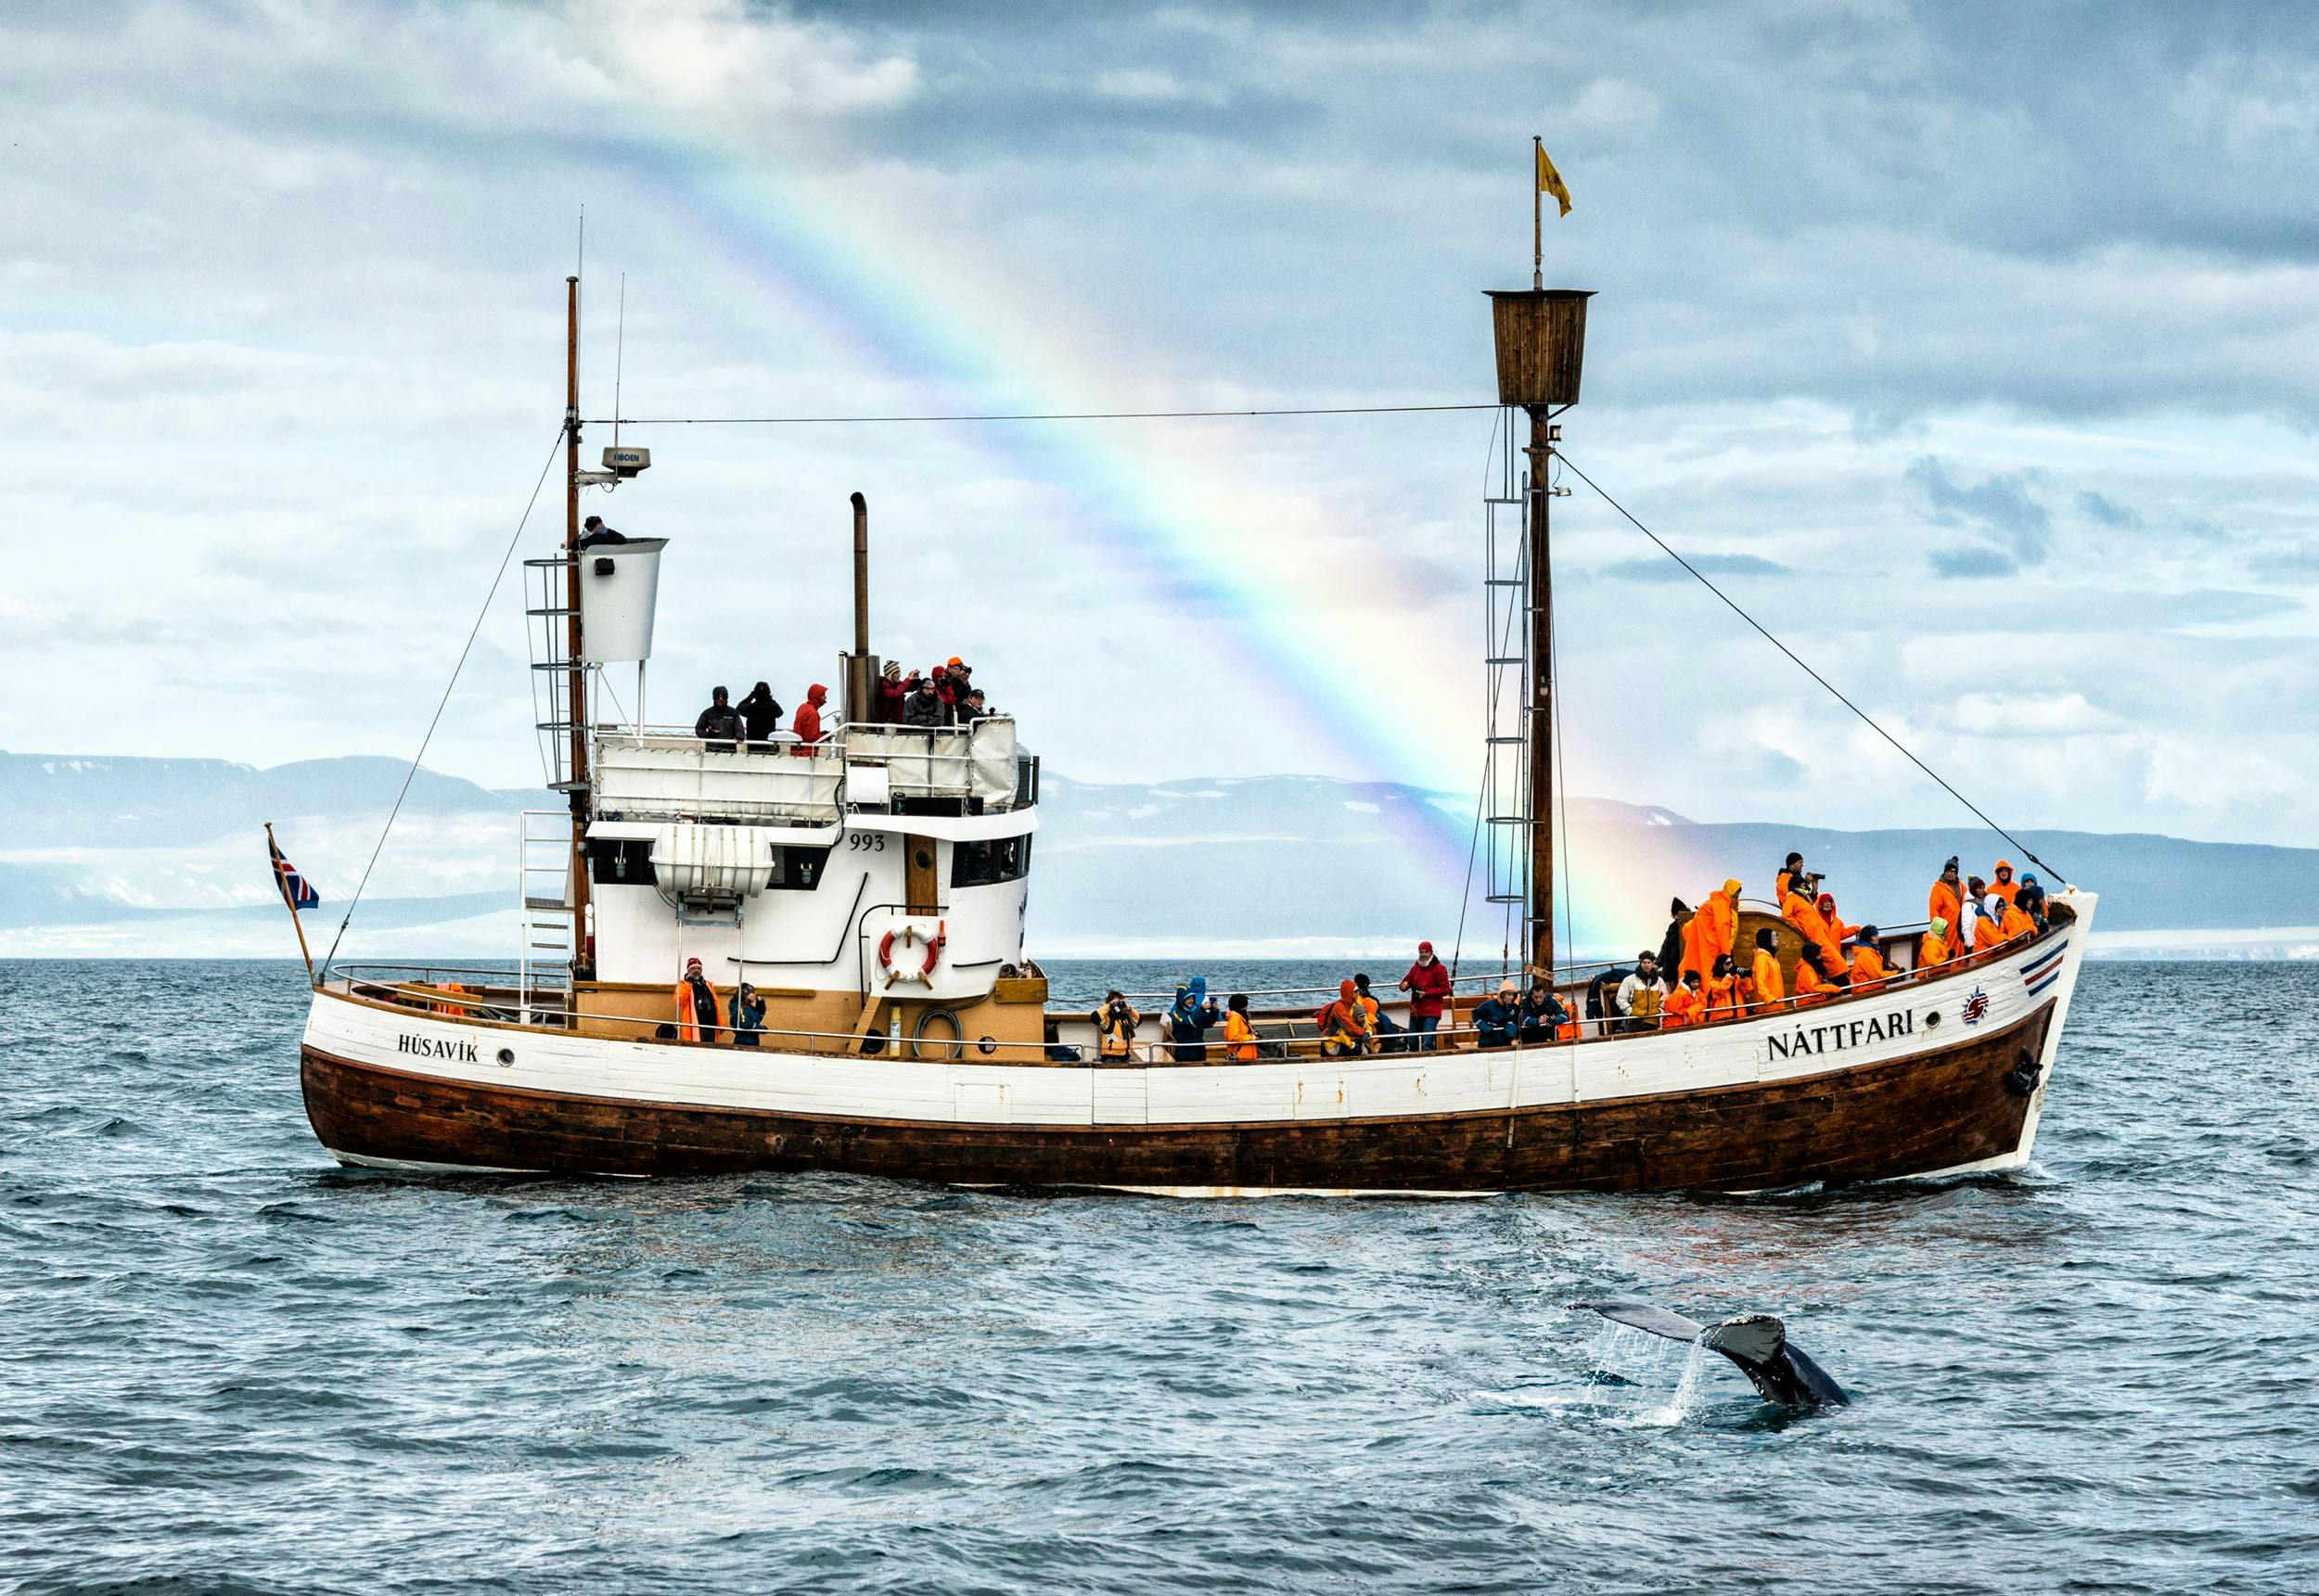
[2021,1079]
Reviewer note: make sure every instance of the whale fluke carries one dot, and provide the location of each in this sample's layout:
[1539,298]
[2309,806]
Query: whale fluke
[1758,1343]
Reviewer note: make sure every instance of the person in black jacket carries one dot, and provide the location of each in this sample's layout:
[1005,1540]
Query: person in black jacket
[1543,1015]
[1671,945]
[720,721]
[1602,1001]
[924,707]
[761,713]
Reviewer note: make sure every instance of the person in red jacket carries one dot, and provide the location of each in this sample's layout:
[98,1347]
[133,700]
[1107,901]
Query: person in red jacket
[1427,984]
[891,691]
[808,723]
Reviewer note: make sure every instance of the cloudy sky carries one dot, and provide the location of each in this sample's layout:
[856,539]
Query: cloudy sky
[1976,352]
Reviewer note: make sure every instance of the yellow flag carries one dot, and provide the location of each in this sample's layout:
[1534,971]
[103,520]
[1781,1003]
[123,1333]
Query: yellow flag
[1550,181]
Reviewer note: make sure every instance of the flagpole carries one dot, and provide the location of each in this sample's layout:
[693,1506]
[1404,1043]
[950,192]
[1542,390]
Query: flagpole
[1537,212]
[273,851]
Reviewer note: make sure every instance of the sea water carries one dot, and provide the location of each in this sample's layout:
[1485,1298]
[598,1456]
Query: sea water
[227,1365]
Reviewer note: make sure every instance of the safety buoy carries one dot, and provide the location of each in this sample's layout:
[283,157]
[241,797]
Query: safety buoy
[909,934]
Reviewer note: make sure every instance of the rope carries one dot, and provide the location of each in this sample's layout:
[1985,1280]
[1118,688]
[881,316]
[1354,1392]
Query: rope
[1866,719]
[1055,415]
[443,703]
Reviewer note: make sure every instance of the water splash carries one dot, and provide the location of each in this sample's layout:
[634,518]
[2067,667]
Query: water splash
[1642,1380]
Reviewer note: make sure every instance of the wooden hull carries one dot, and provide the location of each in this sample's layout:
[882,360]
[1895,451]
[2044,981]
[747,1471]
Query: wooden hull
[1935,1076]
[1947,1109]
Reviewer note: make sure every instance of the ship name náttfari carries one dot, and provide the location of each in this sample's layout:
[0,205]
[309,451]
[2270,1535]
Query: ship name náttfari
[435,1047]
[1838,1037]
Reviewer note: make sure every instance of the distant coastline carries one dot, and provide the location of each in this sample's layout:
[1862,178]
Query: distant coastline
[133,857]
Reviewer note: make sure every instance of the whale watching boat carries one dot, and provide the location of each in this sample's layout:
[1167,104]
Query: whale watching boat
[872,886]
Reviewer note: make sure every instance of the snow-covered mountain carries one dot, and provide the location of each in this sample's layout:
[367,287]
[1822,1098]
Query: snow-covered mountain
[141,856]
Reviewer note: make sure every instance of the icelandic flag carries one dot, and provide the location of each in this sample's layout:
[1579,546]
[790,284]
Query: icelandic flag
[296,892]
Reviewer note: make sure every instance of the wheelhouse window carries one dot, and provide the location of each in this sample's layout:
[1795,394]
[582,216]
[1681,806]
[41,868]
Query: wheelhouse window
[988,863]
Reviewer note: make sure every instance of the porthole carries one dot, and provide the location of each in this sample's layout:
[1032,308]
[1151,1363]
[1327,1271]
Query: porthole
[1932,1019]
[507,1056]
[989,1044]
[923,857]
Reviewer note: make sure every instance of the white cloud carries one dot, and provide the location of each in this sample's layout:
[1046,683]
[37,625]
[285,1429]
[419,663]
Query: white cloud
[283,349]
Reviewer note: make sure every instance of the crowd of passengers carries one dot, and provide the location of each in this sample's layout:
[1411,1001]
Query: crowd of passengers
[945,695]
[1697,975]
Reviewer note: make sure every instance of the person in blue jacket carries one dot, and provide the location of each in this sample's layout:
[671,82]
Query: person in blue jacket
[1495,1017]
[1188,1019]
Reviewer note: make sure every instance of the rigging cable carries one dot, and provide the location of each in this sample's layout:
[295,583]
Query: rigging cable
[1868,719]
[1056,416]
[497,577]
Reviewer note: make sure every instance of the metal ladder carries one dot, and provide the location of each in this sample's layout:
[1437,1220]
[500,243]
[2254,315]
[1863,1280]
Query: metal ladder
[550,931]
[1507,708]
[546,620]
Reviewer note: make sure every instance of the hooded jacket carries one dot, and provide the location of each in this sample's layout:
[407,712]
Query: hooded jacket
[1947,904]
[1800,912]
[1193,1012]
[2005,890]
[1684,1006]
[1347,1018]
[760,712]
[720,721]
[1713,929]
[808,723]
[924,707]
[1869,970]
[1837,926]
[1769,989]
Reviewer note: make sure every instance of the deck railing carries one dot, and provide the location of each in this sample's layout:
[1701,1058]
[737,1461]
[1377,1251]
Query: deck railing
[666,773]
[479,994]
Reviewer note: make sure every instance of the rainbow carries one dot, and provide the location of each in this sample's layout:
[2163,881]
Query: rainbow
[1223,550]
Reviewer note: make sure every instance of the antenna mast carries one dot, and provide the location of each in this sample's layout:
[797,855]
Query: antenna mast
[577,685]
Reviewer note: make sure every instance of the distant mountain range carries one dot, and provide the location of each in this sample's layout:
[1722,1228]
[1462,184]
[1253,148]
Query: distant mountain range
[145,856]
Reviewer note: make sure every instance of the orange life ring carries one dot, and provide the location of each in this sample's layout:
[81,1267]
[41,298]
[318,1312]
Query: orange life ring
[909,937]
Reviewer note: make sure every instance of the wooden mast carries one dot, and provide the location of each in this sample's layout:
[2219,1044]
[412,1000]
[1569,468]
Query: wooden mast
[577,686]
[1539,729]
[1541,337]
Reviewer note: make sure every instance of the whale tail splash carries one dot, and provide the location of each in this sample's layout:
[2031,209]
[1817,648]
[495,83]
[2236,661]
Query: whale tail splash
[1782,1374]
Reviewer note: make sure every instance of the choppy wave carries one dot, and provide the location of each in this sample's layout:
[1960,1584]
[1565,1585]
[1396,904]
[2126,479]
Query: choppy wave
[225,1365]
